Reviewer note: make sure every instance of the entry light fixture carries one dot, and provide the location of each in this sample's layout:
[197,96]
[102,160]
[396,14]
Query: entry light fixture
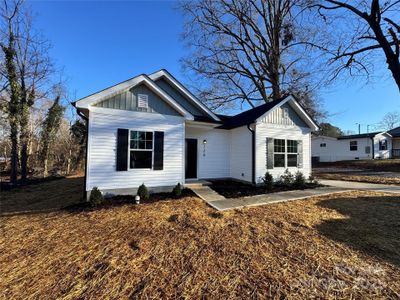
[204,147]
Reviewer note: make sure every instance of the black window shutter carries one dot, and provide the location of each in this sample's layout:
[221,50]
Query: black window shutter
[158,150]
[122,149]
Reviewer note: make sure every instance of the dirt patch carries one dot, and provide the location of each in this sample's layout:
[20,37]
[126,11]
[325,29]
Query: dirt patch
[236,189]
[339,246]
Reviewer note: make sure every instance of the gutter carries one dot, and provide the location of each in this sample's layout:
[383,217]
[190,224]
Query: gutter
[253,154]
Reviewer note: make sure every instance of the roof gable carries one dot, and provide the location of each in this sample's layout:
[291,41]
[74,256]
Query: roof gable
[175,84]
[128,100]
[95,98]
[257,114]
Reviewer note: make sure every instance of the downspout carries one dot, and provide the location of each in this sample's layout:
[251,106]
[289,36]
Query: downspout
[253,154]
[86,152]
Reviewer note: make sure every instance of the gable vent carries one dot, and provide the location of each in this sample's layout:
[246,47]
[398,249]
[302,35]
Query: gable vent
[143,101]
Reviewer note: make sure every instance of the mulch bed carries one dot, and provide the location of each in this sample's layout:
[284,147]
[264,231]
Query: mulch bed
[120,200]
[237,189]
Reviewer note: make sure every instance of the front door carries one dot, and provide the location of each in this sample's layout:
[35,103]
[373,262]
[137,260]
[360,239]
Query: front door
[190,158]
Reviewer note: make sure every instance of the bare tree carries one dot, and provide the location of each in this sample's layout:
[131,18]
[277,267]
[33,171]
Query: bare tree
[8,38]
[371,26]
[50,128]
[390,121]
[249,51]
[26,75]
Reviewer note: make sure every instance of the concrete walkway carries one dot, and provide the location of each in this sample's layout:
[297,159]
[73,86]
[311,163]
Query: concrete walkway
[232,203]
[332,186]
[207,194]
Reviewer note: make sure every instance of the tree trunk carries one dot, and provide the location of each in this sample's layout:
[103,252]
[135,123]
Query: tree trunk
[69,162]
[392,59]
[45,171]
[24,140]
[14,153]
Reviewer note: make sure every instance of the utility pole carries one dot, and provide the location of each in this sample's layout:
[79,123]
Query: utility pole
[359,128]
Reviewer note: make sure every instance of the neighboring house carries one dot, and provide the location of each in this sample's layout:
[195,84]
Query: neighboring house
[152,130]
[374,145]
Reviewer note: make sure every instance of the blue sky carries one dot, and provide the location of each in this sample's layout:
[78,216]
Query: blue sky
[100,43]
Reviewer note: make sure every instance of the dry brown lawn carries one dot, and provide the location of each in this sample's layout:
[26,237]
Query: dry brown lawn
[360,178]
[339,247]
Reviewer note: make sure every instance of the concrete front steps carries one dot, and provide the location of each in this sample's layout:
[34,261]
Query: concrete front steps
[201,189]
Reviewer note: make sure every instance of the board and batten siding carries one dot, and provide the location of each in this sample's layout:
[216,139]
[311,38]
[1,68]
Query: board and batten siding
[276,117]
[103,126]
[275,131]
[241,154]
[213,157]
[179,97]
[127,100]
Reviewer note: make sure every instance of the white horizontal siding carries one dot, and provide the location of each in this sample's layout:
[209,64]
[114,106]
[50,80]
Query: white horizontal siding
[213,157]
[241,154]
[337,150]
[103,125]
[264,131]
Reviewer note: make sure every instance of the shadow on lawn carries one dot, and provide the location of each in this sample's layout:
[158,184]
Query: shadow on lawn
[42,196]
[371,225]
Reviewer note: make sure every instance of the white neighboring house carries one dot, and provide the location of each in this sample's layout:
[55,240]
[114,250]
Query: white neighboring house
[152,130]
[374,145]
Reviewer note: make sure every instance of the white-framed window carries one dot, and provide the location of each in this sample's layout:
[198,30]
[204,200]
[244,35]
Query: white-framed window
[383,145]
[353,146]
[279,153]
[285,153]
[141,149]
[367,149]
[322,145]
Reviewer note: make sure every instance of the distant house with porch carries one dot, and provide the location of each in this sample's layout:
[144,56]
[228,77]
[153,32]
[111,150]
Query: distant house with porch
[373,145]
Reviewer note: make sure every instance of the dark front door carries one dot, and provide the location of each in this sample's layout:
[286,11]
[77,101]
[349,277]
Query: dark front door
[191,158]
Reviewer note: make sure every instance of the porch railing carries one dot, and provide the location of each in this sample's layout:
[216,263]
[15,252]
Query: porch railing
[396,153]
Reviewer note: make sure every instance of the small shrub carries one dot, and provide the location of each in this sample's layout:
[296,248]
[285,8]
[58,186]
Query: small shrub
[299,180]
[96,197]
[313,180]
[268,181]
[287,178]
[177,191]
[143,192]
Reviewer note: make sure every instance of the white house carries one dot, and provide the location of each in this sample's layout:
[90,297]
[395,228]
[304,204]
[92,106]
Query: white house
[374,145]
[150,129]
